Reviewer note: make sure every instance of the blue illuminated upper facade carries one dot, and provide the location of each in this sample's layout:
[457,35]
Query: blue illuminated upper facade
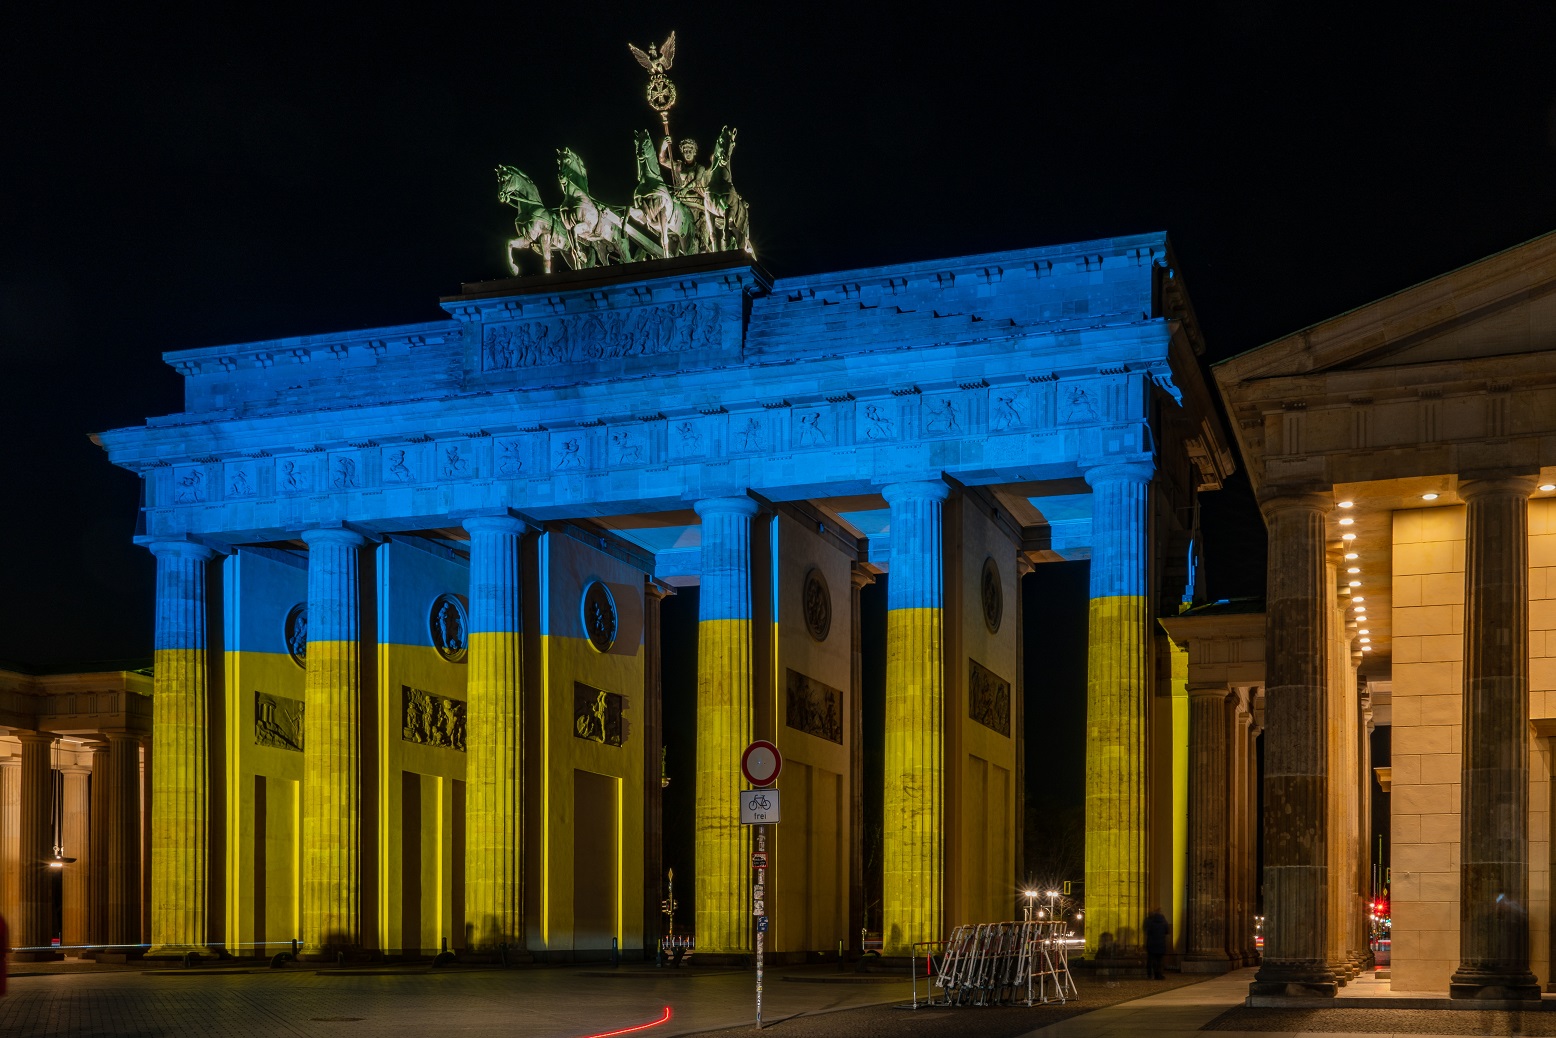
[626,394]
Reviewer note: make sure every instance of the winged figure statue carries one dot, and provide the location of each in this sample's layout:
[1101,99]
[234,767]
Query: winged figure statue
[657,61]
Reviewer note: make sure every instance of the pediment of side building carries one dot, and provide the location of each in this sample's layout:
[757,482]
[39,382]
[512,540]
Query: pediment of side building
[1501,306]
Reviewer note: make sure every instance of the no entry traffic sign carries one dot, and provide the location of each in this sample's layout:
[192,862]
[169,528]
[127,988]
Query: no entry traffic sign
[761,763]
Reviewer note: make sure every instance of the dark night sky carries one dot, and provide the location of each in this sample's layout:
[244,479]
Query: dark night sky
[174,180]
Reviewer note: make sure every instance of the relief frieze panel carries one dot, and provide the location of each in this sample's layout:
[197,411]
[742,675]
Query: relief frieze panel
[813,707]
[278,721]
[604,335]
[988,698]
[240,480]
[456,459]
[597,715]
[431,719]
[295,475]
[346,471]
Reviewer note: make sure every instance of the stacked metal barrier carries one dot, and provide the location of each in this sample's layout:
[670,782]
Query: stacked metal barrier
[997,964]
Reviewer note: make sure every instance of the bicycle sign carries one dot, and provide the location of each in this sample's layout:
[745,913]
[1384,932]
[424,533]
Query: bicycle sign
[759,807]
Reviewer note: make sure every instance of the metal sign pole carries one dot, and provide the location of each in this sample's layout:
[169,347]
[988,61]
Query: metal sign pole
[758,897]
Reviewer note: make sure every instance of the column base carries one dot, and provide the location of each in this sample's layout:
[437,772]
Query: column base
[1295,981]
[1483,987]
[1205,964]
[37,956]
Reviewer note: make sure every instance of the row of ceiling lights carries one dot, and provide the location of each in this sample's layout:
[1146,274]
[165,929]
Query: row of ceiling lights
[1353,571]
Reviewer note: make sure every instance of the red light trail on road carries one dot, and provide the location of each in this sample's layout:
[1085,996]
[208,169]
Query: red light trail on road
[629,1030]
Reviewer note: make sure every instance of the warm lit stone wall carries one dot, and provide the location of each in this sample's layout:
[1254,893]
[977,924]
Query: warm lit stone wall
[1428,673]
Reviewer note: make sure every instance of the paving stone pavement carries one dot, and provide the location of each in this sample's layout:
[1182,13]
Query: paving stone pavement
[582,1001]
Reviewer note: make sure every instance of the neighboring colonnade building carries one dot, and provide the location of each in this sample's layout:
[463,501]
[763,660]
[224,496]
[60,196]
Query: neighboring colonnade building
[1404,456]
[73,829]
[408,585]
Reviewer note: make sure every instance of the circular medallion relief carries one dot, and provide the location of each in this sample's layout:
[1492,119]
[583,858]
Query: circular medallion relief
[449,624]
[296,633]
[817,604]
[993,593]
[599,616]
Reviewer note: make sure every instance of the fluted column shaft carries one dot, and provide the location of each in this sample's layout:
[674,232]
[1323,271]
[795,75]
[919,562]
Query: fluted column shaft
[1296,762]
[332,779]
[75,836]
[11,839]
[123,839]
[724,711]
[1209,834]
[494,804]
[653,764]
[1494,847]
[858,579]
[1118,675]
[97,863]
[1253,955]
[35,918]
[180,824]
[913,847]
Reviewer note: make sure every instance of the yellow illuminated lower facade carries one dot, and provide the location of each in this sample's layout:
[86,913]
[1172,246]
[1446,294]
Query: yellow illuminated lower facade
[1117,701]
[915,818]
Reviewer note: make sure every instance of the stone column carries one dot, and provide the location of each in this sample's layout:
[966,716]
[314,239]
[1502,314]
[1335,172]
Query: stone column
[123,857]
[147,777]
[858,579]
[1338,657]
[75,893]
[11,840]
[724,710]
[1494,840]
[1118,683]
[332,779]
[1296,779]
[1253,955]
[913,870]
[653,765]
[1240,928]
[97,872]
[1209,834]
[180,826]
[34,927]
[494,796]
[1363,780]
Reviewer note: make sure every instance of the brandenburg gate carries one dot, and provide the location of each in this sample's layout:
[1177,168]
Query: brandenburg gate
[408,585]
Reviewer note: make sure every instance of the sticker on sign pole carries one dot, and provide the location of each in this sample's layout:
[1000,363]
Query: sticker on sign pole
[759,860]
[761,763]
[761,924]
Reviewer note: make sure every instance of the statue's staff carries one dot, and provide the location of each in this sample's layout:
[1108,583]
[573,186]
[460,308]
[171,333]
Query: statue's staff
[661,92]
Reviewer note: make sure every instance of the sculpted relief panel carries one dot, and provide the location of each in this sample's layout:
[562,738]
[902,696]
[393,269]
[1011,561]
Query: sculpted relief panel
[988,698]
[432,720]
[649,331]
[278,721]
[814,708]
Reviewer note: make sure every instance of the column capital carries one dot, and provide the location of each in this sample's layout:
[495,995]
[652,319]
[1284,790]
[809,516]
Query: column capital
[860,577]
[176,547]
[655,590]
[1280,499]
[1209,690]
[333,535]
[726,506]
[1482,485]
[36,738]
[494,524]
[1120,471]
[924,489]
